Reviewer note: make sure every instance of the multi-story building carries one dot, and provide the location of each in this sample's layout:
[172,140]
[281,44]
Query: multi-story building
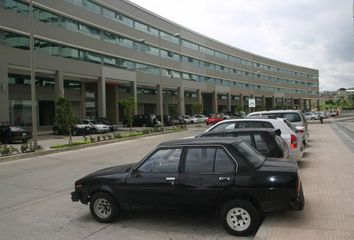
[97,52]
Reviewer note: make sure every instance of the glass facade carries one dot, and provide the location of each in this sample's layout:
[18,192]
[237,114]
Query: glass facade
[238,77]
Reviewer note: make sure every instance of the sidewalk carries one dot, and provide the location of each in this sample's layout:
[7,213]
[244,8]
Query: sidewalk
[327,173]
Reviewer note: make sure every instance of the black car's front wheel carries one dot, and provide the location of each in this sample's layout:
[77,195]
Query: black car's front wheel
[103,207]
[239,217]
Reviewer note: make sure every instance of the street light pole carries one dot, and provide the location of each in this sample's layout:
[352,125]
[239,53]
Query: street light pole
[33,82]
[160,80]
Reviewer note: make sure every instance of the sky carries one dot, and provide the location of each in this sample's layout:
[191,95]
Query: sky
[312,33]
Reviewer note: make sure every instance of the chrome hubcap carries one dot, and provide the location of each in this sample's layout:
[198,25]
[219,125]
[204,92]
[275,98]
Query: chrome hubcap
[238,219]
[102,208]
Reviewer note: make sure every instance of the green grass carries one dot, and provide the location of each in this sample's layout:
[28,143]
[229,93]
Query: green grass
[70,145]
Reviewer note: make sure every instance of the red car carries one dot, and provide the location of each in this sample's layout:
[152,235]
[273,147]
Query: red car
[215,118]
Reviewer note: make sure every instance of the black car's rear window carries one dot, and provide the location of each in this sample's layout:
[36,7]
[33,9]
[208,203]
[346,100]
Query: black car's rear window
[251,154]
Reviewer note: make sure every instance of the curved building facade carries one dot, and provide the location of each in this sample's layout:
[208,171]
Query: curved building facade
[96,53]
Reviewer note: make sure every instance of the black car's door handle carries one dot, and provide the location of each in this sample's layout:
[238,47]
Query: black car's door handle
[171,180]
[224,179]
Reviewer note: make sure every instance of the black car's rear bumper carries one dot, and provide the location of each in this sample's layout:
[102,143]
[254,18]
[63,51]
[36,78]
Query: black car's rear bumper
[75,196]
[299,203]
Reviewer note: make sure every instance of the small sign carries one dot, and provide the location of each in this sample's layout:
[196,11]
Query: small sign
[251,102]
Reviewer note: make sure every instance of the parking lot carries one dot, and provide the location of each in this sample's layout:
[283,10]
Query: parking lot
[35,201]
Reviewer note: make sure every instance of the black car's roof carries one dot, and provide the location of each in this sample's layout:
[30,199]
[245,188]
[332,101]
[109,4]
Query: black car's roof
[202,141]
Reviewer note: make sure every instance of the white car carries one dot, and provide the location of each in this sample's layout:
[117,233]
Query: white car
[289,133]
[296,117]
[201,118]
[311,116]
[189,119]
[97,127]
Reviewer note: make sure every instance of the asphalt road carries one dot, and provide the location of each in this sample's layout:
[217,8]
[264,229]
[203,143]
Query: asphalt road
[35,199]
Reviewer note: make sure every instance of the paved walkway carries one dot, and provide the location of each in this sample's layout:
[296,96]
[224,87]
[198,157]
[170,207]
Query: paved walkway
[327,173]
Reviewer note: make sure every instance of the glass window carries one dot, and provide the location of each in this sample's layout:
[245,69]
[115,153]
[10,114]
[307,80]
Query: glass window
[206,50]
[249,124]
[125,20]
[70,25]
[108,13]
[199,160]
[127,43]
[245,137]
[163,160]
[250,154]
[72,84]
[223,126]
[223,161]
[140,26]
[169,37]
[259,142]
[189,44]
[93,7]
[69,52]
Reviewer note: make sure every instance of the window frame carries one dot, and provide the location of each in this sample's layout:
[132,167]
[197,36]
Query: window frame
[184,157]
[147,157]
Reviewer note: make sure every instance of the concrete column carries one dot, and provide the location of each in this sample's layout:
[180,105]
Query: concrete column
[229,101]
[274,104]
[292,103]
[264,103]
[310,105]
[135,95]
[181,105]
[4,94]
[215,101]
[241,101]
[283,103]
[318,105]
[199,96]
[101,94]
[59,84]
[83,100]
[159,100]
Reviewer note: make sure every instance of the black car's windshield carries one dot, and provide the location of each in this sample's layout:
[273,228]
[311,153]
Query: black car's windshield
[251,154]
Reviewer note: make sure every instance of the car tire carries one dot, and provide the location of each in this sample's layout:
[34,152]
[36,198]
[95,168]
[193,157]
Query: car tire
[103,207]
[94,131]
[240,217]
[312,118]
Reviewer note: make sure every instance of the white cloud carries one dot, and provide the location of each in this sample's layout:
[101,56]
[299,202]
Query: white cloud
[316,34]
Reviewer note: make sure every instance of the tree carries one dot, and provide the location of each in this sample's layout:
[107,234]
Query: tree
[172,111]
[64,116]
[197,108]
[129,110]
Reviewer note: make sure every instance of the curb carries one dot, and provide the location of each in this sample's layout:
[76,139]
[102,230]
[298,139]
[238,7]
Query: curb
[67,149]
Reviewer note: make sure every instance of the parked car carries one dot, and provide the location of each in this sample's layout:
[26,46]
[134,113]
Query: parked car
[311,116]
[215,118]
[105,121]
[224,174]
[201,118]
[296,117]
[10,134]
[78,129]
[144,120]
[188,119]
[97,127]
[266,140]
[288,132]
[167,120]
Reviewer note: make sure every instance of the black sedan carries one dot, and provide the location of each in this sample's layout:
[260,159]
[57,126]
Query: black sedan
[266,140]
[10,134]
[225,174]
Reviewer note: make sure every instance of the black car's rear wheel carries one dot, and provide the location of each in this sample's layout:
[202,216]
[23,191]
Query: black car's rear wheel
[240,217]
[103,207]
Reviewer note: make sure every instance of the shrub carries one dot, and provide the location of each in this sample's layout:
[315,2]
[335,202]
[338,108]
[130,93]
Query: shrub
[92,139]
[98,138]
[117,135]
[4,150]
[104,137]
[146,131]
[109,136]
